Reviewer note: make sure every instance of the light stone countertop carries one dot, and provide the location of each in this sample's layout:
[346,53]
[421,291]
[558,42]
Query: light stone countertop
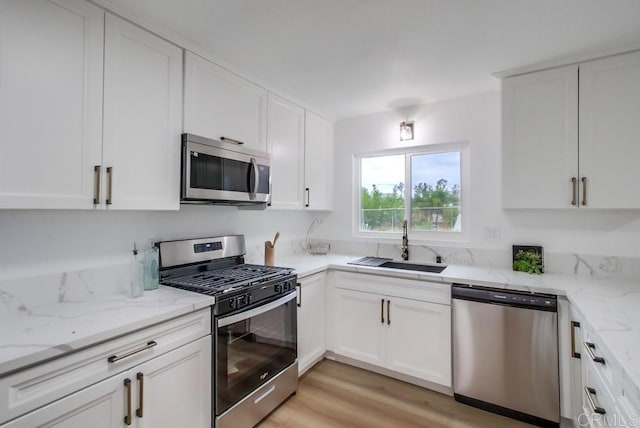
[611,307]
[76,310]
[70,311]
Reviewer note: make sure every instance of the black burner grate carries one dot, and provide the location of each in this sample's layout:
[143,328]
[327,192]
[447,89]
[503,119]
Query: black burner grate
[227,279]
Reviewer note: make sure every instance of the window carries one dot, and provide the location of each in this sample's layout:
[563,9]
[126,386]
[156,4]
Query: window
[423,185]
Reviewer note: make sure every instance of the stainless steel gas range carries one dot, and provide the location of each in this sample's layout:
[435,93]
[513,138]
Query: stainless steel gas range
[254,328]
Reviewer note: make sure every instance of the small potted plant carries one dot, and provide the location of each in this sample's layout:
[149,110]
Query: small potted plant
[528,259]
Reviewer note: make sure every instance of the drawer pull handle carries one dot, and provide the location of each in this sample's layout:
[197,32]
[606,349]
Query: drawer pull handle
[149,345]
[382,311]
[109,199]
[96,183]
[140,377]
[263,396]
[388,312]
[574,183]
[299,294]
[584,191]
[594,406]
[590,347]
[127,386]
[231,140]
[574,325]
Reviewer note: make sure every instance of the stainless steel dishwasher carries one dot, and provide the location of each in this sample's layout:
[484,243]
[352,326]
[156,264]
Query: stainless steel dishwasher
[505,353]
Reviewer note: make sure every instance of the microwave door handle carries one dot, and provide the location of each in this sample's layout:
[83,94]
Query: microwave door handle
[256,179]
[232,319]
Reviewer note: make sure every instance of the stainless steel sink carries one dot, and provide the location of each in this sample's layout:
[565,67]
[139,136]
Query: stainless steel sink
[390,264]
[412,266]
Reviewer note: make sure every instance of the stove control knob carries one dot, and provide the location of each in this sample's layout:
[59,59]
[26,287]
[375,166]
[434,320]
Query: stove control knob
[279,288]
[242,300]
[233,303]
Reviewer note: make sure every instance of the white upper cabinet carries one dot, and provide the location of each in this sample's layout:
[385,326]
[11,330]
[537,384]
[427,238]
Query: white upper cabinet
[569,136]
[285,137]
[609,130]
[219,104]
[50,102]
[540,139]
[142,119]
[318,163]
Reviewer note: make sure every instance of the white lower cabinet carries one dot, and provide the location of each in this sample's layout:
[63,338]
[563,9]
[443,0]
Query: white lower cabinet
[311,321]
[395,327]
[168,391]
[174,390]
[359,326]
[156,377]
[98,406]
[418,338]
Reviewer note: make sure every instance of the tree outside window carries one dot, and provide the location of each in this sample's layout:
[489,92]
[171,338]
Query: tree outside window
[432,198]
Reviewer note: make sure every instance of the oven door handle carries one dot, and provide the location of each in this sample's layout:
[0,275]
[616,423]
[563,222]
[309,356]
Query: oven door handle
[232,319]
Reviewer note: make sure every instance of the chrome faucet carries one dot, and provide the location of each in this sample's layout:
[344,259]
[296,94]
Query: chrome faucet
[405,241]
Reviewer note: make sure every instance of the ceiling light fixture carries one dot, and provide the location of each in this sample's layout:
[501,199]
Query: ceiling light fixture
[406,131]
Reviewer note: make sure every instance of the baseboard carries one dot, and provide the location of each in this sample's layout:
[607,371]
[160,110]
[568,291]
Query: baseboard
[390,373]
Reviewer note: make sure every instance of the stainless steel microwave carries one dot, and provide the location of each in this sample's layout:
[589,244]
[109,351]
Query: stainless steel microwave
[224,173]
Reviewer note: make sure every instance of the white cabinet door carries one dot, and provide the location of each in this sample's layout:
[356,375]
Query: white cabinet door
[311,321]
[318,163]
[174,390]
[609,129]
[50,102]
[419,340]
[221,104]
[142,119]
[285,138]
[540,139]
[575,366]
[99,406]
[359,326]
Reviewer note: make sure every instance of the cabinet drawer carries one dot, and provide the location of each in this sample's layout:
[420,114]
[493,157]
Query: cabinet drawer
[611,411]
[602,361]
[425,291]
[29,389]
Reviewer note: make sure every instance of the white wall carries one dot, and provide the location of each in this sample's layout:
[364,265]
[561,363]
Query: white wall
[34,242]
[477,119]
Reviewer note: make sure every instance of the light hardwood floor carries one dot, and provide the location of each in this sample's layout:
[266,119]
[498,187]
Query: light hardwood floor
[337,395]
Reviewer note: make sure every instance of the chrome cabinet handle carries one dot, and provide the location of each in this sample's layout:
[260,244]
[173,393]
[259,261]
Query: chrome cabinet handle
[149,345]
[590,347]
[231,140]
[382,311]
[96,183]
[594,406]
[308,197]
[584,191]
[140,378]
[127,387]
[109,200]
[299,303]
[574,183]
[388,312]
[574,325]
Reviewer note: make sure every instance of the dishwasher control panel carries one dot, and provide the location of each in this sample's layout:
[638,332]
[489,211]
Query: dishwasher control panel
[539,301]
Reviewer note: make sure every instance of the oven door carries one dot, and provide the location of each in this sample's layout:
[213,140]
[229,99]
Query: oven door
[252,347]
[216,174]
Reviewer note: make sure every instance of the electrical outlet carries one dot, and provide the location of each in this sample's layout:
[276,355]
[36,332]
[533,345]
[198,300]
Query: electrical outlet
[492,233]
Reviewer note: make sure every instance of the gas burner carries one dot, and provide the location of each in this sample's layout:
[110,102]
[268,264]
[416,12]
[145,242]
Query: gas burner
[226,280]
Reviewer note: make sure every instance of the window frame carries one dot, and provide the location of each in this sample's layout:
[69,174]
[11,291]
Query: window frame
[415,235]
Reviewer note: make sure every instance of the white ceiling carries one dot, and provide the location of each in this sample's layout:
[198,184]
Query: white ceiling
[352,57]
